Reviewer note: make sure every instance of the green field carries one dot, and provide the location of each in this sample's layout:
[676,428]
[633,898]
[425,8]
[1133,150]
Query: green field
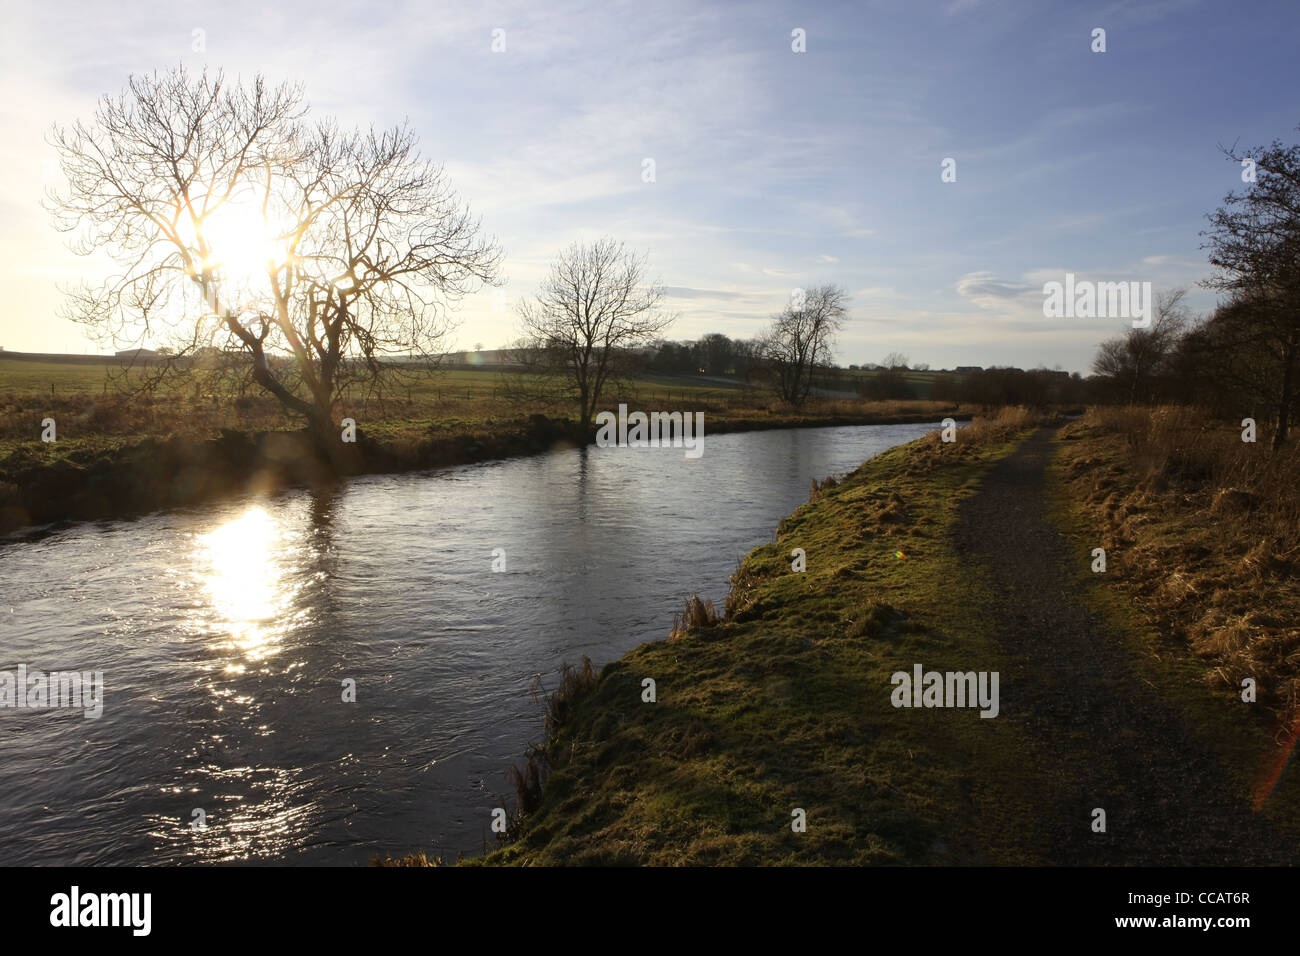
[56,378]
[39,377]
[99,407]
[60,379]
[921,383]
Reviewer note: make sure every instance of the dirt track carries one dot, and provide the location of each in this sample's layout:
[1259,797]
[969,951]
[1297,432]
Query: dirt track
[1101,737]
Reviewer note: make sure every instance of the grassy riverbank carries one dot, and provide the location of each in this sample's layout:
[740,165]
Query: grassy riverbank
[784,704]
[117,454]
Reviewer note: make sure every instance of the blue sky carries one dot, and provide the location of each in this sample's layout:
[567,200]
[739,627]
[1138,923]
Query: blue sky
[774,170]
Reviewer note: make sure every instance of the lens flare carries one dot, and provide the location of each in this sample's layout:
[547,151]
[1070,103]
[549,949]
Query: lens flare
[1273,773]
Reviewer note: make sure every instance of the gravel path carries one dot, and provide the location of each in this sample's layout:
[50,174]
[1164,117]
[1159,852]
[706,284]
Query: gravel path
[1101,737]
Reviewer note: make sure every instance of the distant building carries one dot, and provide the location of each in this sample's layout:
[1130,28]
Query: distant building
[968,369]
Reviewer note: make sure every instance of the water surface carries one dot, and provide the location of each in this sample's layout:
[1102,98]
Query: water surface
[225,635]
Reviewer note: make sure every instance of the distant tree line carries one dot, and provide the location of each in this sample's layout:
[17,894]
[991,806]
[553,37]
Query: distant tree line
[748,360]
[1013,386]
[712,354]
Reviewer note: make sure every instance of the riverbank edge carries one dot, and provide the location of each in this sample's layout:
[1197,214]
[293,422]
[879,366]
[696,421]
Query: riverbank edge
[156,474]
[710,772]
[606,755]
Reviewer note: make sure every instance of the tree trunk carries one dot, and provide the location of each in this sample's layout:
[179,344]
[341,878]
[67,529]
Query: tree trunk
[1288,397]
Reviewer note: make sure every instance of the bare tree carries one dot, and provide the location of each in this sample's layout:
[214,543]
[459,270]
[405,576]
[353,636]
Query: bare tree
[1254,241]
[896,360]
[594,307]
[310,251]
[1136,360]
[801,339]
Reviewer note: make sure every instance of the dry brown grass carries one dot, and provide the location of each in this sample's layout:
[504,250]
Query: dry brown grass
[127,415]
[816,490]
[984,431]
[1003,424]
[527,784]
[1203,529]
[1188,452]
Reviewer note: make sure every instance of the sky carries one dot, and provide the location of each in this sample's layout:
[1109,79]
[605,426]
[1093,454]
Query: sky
[774,170]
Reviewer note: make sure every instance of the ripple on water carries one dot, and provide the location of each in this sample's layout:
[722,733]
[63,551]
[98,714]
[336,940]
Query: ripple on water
[225,636]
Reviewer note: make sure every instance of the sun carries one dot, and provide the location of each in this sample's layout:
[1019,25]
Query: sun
[244,250]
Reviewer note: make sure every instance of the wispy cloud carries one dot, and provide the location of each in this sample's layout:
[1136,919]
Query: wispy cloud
[988,291]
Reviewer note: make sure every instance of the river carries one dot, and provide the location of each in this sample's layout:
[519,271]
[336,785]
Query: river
[225,636]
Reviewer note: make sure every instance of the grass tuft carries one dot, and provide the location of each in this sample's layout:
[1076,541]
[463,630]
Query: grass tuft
[574,682]
[697,614]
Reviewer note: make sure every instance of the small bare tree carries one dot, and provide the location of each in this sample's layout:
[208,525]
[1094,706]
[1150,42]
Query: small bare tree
[593,309]
[896,360]
[801,339]
[309,252]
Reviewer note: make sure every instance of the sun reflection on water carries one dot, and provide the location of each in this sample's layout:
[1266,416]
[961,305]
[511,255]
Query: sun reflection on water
[256,583]
[244,566]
